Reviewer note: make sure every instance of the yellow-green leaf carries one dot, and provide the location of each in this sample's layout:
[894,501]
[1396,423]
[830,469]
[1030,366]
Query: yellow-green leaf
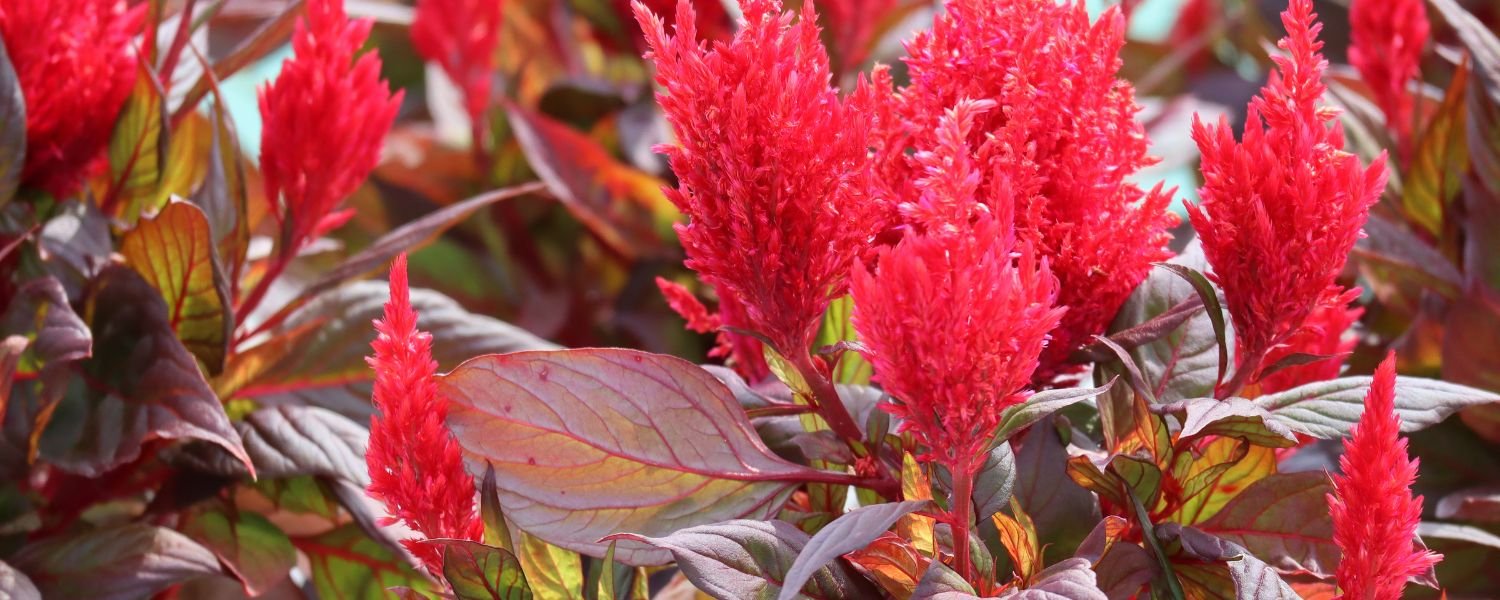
[175,253]
[1439,161]
[837,327]
[138,149]
[554,573]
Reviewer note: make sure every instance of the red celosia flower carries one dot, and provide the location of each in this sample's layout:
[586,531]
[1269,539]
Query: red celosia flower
[1386,40]
[713,21]
[416,467]
[1064,134]
[1282,208]
[325,118]
[743,352]
[957,314]
[1324,333]
[851,24]
[461,37]
[1374,514]
[771,165]
[75,62]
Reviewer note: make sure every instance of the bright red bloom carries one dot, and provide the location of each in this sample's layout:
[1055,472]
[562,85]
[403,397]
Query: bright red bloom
[1324,333]
[742,352]
[325,118]
[1282,209]
[76,64]
[1386,40]
[461,36]
[957,315]
[772,166]
[1064,134]
[713,22]
[1374,513]
[851,24]
[416,467]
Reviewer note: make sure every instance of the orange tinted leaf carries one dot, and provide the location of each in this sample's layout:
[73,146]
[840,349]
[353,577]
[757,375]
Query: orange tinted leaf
[174,252]
[893,563]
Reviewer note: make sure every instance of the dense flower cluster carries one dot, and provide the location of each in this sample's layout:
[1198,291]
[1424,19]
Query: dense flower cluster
[1374,514]
[76,62]
[1281,209]
[416,467]
[461,36]
[1064,134]
[325,118]
[772,166]
[957,313]
[1386,40]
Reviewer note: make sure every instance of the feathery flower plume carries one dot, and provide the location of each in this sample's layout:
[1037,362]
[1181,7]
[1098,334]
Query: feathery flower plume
[1386,40]
[713,21]
[75,63]
[325,117]
[957,313]
[416,467]
[1324,333]
[771,165]
[1282,208]
[741,352]
[1064,134]
[1374,513]
[461,36]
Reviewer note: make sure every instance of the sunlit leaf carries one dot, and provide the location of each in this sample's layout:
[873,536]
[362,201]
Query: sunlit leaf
[851,531]
[138,149]
[174,252]
[478,572]
[1329,409]
[347,564]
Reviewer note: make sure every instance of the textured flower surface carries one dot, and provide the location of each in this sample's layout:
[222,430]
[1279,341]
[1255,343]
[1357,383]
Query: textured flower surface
[325,118]
[1064,134]
[416,468]
[1386,38]
[461,36]
[76,62]
[1374,513]
[1325,333]
[1282,208]
[956,315]
[772,166]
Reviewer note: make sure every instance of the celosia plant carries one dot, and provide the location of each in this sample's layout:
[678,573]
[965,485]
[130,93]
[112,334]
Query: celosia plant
[1386,43]
[962,362]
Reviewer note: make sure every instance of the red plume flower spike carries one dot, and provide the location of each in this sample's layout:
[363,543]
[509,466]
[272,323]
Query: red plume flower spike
[416,467]
[957,315]
[1374,513]
[743,352]
[325,118]
[461,36]
[1386,38]
[1064,133]
[772,166]
[1281,209]
[75,62]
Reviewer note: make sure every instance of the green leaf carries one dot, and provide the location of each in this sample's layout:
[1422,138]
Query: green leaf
[138,148]
[479,572]
[142,384]
[1329,409]
[253,549]
[1283,519]
[1038,406]
[1233,417]
[747,559]
[1440,159]
[174,252]
[124,562]
[837,327]
[851,531]
[12,129]
[1183,363]
[656,440]
[995,483]
[555,573]
[347,564]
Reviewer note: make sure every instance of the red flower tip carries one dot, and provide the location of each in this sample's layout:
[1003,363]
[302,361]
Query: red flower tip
[772,166]
[1063,134]
[1281,209]
[325,118]
[76,64]
[1386,38]
[957,315]
[416,467]
[1374,513]
[461,36]
[743,352]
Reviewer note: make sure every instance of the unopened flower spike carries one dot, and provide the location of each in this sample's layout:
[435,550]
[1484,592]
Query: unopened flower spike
[1282,207]
[416,467]
[1374,513]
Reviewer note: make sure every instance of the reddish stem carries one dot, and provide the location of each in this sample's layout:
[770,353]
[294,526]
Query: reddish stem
[826,395]
[961,505]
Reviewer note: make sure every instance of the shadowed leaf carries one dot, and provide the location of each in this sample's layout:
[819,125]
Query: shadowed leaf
[124,562]
[851,531]
[255,551]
